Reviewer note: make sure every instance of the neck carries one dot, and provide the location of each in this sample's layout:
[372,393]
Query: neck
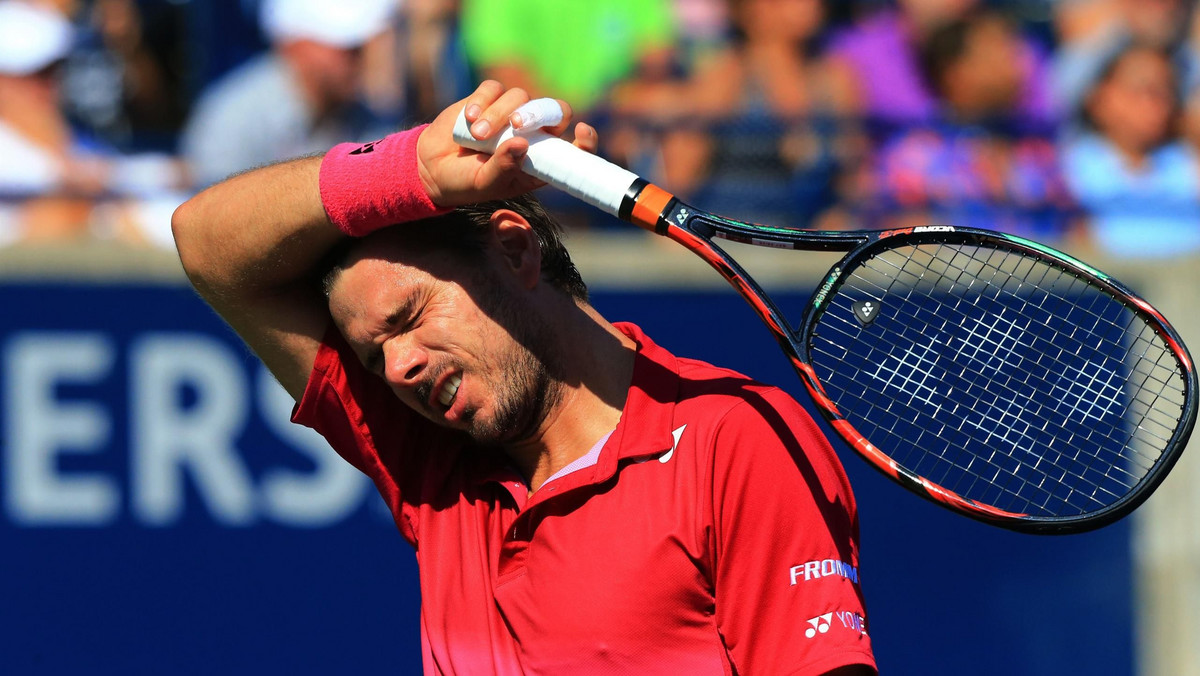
[591,394]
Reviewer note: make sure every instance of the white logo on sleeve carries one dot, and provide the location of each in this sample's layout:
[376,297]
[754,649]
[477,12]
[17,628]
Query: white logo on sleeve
[845,619]
[820,625]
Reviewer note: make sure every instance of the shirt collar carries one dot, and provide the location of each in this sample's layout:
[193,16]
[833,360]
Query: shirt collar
[645,426]
[646,419]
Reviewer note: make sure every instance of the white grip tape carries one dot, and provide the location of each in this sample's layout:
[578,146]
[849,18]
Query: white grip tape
[576,172]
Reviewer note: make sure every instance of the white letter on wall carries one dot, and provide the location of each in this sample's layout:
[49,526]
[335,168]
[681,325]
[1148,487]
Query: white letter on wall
[319,498]
[39,428]
[166,437]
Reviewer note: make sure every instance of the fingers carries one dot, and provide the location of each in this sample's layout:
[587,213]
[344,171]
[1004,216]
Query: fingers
[586,137]
[492,106]
[483,96]
[505,164]
[461,178]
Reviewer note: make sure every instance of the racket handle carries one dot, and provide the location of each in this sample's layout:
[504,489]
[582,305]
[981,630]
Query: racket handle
[576,172]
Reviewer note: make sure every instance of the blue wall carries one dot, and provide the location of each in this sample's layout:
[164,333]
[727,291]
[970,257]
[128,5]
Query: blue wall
[157,517]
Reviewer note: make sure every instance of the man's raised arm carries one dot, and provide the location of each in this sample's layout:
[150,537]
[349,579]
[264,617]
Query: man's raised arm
[252,246]
[255,245]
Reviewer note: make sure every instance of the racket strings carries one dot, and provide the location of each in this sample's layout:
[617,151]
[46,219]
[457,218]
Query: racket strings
[979,348]
[996,479]
[1093,389]
[1019,275]
[1000,376]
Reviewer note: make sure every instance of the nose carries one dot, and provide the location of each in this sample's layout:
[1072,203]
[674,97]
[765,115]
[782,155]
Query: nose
[404,362]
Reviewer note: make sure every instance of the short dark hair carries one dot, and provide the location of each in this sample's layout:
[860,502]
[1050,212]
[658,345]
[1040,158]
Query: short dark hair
[463,231]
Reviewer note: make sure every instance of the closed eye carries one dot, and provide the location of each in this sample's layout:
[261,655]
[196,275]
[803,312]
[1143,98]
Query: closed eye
[398,321]
[374,361]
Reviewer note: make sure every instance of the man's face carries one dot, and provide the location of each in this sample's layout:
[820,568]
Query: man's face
[451,339]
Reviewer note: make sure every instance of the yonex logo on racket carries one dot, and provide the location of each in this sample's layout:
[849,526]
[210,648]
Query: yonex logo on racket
[819,297]
[865,311]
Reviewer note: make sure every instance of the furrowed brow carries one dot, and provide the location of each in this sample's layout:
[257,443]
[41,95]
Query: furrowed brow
[373,359]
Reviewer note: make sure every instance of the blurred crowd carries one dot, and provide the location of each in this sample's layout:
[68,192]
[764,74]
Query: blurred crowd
[1063,120]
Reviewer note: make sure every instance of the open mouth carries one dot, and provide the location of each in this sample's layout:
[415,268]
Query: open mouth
[449,390]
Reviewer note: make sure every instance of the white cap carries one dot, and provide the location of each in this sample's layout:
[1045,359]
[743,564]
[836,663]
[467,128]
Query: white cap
[31,37]
[340,23]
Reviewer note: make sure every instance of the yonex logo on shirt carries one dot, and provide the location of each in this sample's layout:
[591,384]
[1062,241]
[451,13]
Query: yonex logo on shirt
[846,619]
[819,625]
[824,568]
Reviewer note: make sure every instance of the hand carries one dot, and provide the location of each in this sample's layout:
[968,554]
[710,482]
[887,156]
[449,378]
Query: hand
[453,175]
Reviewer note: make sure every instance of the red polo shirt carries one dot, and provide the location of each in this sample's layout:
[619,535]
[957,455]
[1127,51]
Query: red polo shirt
[716,533]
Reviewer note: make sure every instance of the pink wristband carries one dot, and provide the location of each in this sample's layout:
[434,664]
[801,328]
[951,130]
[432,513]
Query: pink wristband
[367,187]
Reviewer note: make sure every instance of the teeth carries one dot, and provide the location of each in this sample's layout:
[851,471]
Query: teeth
[451,388]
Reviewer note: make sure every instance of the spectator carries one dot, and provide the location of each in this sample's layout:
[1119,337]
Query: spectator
[1130,169]
[437,65]
[882,51]
[123,80]
[972,66]
[302,96]
[983,165]
[778,112]
[1092,31]
[54,183]
[578,50]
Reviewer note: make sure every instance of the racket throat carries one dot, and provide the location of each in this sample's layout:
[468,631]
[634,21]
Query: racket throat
[647,205]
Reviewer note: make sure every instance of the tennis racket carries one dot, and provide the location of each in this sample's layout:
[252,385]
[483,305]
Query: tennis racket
[990,374]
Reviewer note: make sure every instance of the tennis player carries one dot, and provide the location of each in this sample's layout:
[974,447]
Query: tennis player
[581,500]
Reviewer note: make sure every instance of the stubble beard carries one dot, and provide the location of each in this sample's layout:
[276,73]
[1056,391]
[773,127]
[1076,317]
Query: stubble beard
[529,389]
[521,402]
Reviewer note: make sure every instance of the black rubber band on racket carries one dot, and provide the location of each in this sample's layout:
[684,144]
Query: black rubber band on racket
[630,198]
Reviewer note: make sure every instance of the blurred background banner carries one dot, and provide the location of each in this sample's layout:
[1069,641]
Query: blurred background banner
[159,514]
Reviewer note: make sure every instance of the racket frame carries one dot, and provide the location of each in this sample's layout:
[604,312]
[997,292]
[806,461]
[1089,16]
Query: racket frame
[696,229]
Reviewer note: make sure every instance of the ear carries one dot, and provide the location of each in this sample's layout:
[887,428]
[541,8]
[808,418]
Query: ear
[518,246]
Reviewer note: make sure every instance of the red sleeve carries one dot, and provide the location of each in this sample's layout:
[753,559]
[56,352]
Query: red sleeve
[366,424]
[788,599]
